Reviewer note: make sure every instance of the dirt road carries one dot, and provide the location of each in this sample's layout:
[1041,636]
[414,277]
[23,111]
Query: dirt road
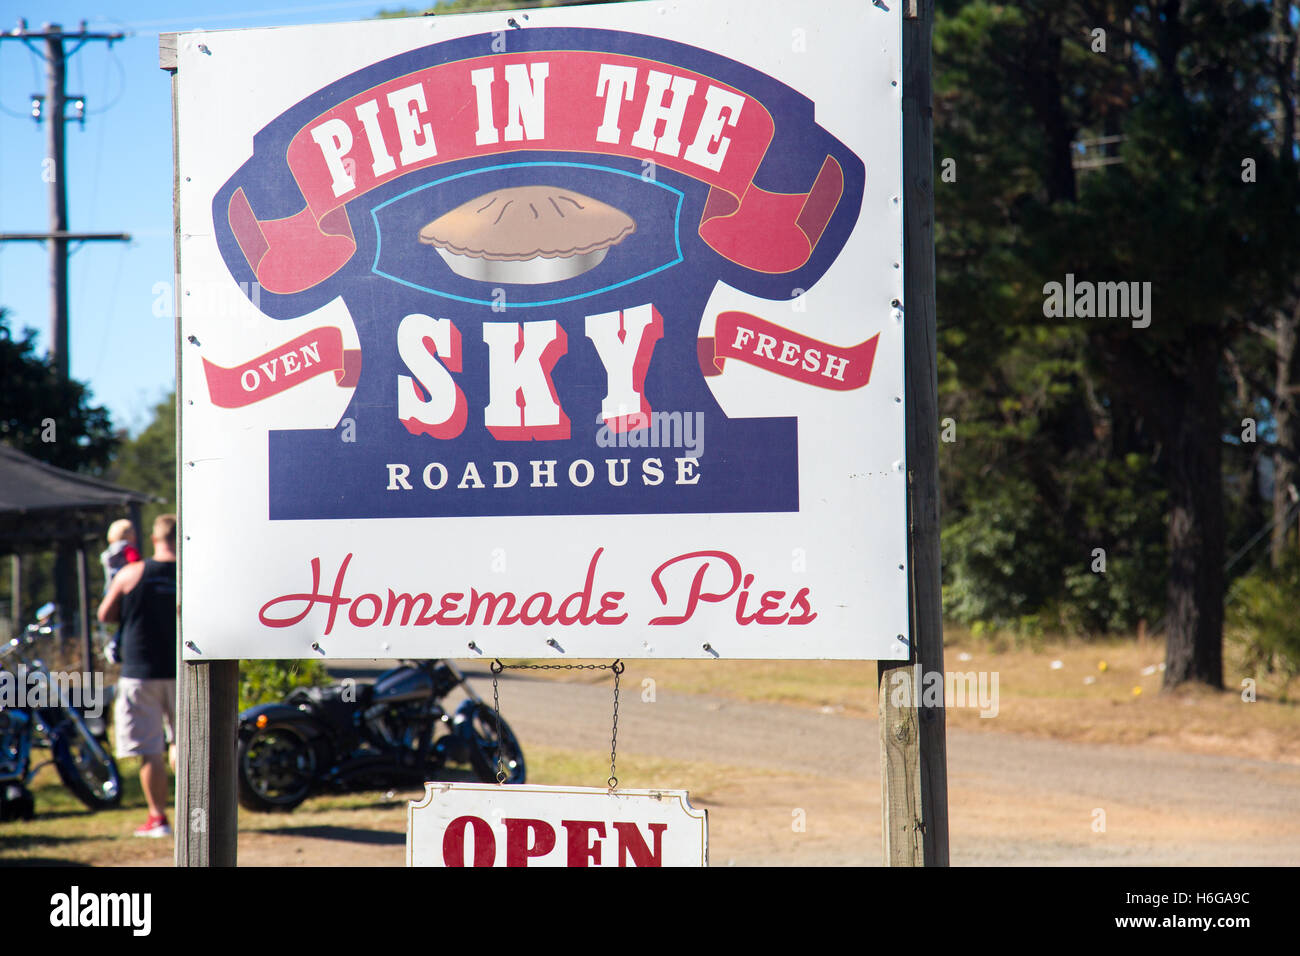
[1013,799]
[789,785]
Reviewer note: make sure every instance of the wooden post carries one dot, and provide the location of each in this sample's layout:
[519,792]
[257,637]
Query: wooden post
[913,752]
[63,562]
[207,693]
[16,592]
[83,611]
[133,511]
[207,817]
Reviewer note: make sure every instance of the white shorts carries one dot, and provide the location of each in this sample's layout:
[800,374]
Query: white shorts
[145,715]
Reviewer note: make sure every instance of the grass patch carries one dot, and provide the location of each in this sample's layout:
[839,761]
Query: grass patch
[65,831]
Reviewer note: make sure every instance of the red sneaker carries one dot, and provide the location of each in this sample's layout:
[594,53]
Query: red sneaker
[156,826]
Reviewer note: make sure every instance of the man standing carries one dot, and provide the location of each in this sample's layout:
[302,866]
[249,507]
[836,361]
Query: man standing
[143,597]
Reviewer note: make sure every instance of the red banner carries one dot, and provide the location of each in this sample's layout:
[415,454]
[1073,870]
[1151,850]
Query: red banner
[310,354]
[747,338]
[463,110]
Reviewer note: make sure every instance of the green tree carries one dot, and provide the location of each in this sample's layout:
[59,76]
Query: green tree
[1171,100]
[50,420]
[55,422]
[148,462]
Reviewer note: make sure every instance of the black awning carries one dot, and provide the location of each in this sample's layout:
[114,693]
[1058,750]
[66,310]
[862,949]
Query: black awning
[40,503]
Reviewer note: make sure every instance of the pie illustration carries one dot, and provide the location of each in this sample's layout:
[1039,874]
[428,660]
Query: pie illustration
[527,235]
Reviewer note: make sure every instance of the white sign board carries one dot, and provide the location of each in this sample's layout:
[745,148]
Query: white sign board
[567,333]
[483,824]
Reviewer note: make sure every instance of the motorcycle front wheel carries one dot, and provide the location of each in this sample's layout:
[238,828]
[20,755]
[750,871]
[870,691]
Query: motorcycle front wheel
[277,767]
[483,747]
[84,766]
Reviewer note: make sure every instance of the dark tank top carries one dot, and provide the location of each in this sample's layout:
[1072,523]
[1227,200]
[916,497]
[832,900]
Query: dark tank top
[148,639]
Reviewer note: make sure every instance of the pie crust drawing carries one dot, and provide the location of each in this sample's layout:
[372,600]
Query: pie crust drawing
[527,235]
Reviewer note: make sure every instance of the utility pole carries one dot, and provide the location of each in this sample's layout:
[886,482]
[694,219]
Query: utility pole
[52,109]
[56,75]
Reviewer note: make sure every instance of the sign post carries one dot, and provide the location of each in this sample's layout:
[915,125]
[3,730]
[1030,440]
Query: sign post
[913,748]
[572,335]
[207,692]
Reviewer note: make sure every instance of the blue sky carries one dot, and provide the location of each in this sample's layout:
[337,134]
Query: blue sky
[119,178]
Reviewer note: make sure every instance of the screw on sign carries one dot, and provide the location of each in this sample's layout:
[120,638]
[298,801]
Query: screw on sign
[485,825]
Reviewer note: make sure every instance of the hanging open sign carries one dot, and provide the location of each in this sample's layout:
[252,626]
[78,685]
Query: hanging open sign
[477,824]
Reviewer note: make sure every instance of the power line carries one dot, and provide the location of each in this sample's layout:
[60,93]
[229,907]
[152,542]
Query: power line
[1241,553]
[172,22]
[28,115]
[52,110]
[116,62]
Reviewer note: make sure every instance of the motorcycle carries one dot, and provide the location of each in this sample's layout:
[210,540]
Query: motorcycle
[83,763]
[355,736]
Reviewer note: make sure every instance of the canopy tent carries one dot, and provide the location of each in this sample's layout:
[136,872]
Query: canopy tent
[43,507]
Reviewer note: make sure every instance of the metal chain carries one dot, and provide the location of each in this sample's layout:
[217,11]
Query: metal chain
[617,667]
[497,668]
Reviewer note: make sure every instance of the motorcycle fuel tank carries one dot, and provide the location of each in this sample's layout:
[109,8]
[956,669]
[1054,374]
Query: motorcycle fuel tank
[403,684]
